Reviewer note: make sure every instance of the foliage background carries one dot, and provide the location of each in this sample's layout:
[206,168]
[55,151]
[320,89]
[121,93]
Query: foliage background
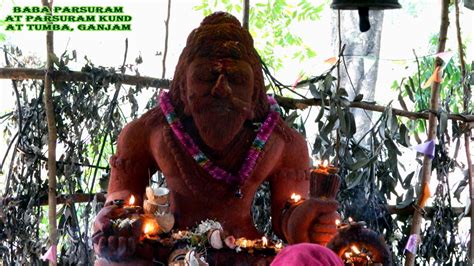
[91,114]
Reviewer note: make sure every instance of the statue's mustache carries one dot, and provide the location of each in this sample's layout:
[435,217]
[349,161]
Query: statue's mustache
[242,105]
[230,104]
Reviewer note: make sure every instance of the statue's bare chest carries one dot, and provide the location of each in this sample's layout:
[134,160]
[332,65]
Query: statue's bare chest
[186,177]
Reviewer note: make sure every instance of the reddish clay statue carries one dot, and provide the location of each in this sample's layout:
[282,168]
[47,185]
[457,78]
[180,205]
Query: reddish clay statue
[218,97]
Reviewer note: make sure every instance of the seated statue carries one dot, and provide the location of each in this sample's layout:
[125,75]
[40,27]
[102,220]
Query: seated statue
[216,140]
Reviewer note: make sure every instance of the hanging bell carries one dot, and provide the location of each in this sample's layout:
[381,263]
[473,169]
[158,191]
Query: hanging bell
[469,4]
[363,7]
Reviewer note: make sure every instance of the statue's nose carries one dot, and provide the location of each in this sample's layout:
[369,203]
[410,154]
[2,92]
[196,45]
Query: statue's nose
[222,88]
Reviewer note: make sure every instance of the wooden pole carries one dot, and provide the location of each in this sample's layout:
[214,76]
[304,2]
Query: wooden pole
[29,73]
[52,135]
[467,135]
[432,124]
[286,102]
[245,19]
[165,50]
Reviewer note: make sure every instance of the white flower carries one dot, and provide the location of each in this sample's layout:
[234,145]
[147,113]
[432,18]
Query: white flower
[207,225]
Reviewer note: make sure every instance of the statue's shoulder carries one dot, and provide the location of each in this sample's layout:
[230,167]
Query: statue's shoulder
[288,135]
[153,117]
[151,121]
[295,148]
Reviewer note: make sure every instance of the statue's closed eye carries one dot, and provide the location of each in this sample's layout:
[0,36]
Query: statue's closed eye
[206,76]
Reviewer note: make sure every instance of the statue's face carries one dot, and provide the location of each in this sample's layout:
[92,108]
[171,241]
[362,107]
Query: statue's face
[219,98]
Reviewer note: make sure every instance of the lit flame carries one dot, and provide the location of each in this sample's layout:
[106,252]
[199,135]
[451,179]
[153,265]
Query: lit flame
[131,201]
[279,245]
[325,163]
[244,243]
[355,249]
[295,197]
[347,254]
[150,227]
[264,241]
[338,222]
[350,220]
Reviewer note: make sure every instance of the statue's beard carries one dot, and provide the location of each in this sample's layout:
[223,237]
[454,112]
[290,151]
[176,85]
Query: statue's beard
[218,123]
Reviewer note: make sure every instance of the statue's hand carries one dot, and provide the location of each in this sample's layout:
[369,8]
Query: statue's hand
[117,247]
[106,244]
[312,221]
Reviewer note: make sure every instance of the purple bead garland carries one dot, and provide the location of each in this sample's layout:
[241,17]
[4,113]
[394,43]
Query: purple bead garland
[220,174]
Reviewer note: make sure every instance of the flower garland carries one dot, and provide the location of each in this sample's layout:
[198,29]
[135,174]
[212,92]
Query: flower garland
[216,172]
[210,234]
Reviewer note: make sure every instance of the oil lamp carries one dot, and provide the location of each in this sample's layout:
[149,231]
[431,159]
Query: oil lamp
[357,245]
[150,229]
[324,181]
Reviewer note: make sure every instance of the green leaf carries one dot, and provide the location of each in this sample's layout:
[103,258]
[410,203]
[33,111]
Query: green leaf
[317,146]
[290,119]
[359,164]
[358,98]
[404,138]
[314,91]
[331,121]
[352,125]
[354,179]
[392,147]
[321,110]
[410,89]
[342,122]
[238,8]
[310,53]
[407,182]
[342,92]
[327,84]
[462,185]
[409,198]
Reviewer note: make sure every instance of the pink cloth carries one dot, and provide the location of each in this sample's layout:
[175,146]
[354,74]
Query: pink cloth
[307,254]
[50,254]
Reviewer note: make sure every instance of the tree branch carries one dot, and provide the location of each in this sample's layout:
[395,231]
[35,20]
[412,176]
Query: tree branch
[165,50]
[84,197]
[432,134]
[291,103]
[28,73]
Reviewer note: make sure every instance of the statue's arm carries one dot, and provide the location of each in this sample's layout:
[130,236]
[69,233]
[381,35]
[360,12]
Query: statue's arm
[290,176]
[310,220]
[133,163]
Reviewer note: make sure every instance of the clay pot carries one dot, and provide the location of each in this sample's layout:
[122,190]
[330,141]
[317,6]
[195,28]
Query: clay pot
[150,195]
[161,195]
[163,209]
[166,222]
[150,207]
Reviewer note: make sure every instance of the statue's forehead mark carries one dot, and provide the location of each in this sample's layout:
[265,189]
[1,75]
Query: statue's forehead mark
[224,65]
[218,66]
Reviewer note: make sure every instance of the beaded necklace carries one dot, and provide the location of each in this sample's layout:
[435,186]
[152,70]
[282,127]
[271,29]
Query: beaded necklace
[213,170]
